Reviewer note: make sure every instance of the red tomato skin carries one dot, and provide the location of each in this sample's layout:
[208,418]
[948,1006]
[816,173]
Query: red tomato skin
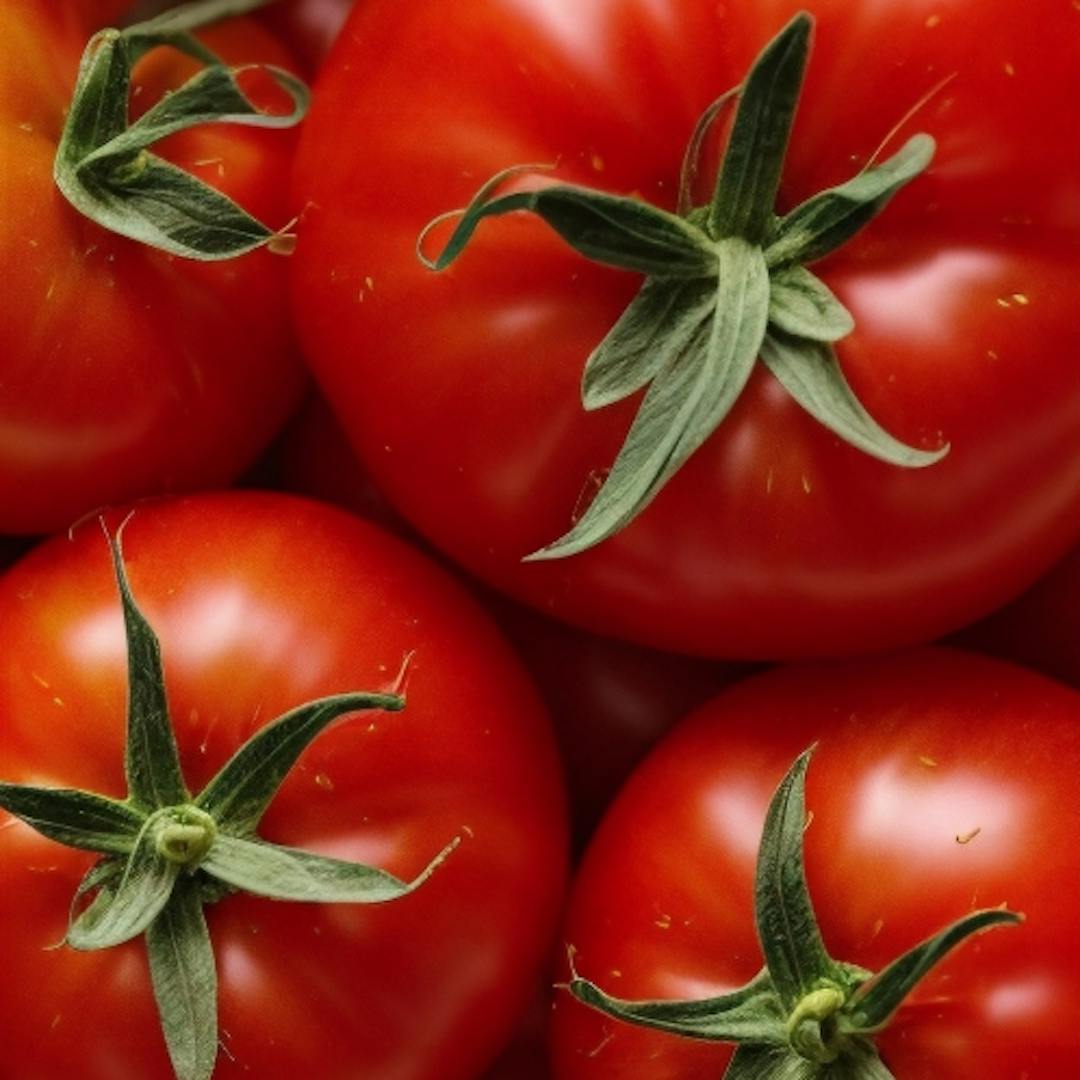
[460,390]
[943,781]
[261,602]
[127,371]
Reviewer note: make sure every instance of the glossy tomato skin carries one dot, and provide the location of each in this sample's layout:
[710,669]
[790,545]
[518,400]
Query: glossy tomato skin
[127,371]
[942,782]
[461,390]
[262,602]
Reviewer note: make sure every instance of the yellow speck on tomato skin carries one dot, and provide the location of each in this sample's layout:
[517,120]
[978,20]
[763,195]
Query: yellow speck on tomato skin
[966,838]
[929,762]
[1009,68]
[806,486]
[1021,298]
[324,781]
[597,163]
[932,21]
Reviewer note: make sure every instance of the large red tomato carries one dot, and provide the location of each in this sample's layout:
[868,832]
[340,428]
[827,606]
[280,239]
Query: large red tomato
[125,370]
[262,602]
[942,782]
[461,390]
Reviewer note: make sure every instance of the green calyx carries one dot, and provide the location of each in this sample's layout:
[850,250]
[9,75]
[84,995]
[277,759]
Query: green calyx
[103,164]
[166,853]
[725,285]
[805,1016]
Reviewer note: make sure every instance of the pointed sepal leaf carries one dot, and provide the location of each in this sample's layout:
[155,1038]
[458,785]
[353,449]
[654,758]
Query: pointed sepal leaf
[685,402]
[237,797]
[750,1014]
[811,374]
[127,905]
[612,229]
[184,978]
[284,873]
[795,955]
[877,1000]
[829,219]
[657,327]
[152,763]
[802,305]
[79,819]
[745,197]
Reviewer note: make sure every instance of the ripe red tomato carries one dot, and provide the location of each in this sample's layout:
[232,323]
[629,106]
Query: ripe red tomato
[262,602]
[461,391]
[127,371]
[943,782]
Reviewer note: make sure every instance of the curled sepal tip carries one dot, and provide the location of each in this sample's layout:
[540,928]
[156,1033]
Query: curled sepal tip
[104,166]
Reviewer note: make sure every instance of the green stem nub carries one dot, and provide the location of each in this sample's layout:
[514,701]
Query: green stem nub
[725,285]
[812,1028]
[185,835]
